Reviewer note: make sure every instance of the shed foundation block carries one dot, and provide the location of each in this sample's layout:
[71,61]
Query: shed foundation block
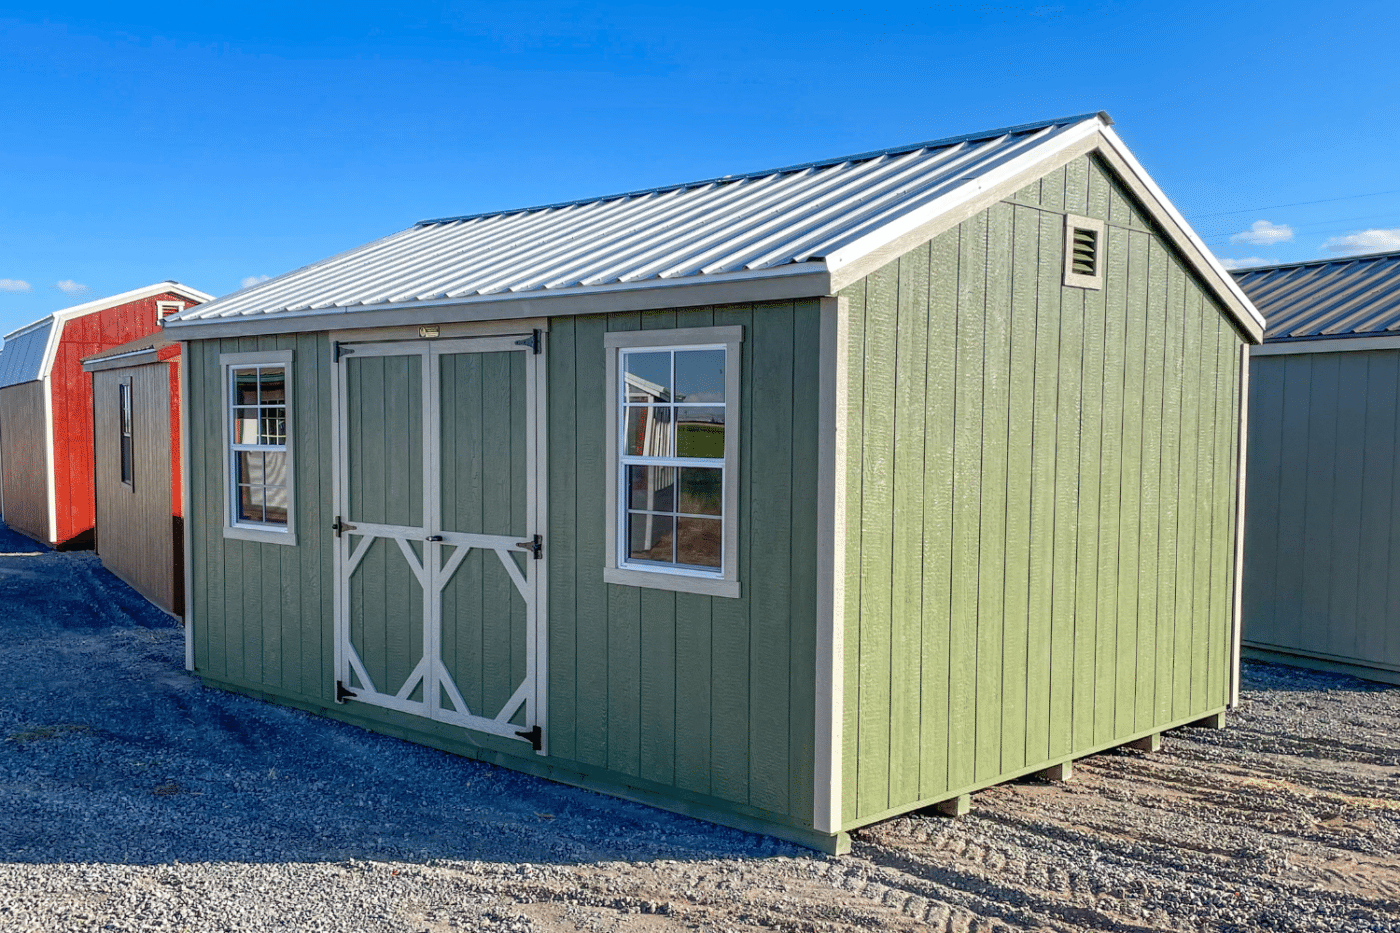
[1148,743]
[957,806]
[1213,721]
[1064,771]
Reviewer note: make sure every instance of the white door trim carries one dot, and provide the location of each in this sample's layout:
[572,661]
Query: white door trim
[532,693]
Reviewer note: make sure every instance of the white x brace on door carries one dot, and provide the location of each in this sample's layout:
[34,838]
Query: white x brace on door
[438,554]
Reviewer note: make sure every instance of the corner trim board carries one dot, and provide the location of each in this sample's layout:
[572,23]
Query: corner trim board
[1237,610]
[831,563]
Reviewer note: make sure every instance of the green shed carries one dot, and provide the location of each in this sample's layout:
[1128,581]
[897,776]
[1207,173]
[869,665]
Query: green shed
[1322,562]
[792,500]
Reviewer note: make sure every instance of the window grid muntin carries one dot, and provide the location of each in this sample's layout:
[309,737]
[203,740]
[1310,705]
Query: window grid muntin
[625,460]
[279,424]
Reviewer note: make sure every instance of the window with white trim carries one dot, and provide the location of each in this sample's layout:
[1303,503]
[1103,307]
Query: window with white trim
[258,475]
[673,459]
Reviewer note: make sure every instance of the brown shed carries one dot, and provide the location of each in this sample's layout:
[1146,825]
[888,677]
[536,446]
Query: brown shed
[136,458]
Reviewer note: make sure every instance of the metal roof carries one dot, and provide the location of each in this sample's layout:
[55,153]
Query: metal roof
[22,358]
[802,218]
[1346,297]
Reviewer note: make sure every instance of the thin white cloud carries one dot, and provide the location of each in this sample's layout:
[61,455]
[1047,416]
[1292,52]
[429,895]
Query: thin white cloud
[15,285]
[251,280]
[1245,263]
[1263,233]
[70,287]
[1367,241]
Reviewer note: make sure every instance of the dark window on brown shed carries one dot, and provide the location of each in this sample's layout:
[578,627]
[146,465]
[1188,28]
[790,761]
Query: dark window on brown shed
[124,403]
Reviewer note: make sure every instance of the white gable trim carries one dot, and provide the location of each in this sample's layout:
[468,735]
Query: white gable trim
[61,318]
[863,256]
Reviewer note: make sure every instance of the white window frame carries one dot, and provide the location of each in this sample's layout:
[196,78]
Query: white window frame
[1074,279]
[166,308]
[245,530]
[617,569]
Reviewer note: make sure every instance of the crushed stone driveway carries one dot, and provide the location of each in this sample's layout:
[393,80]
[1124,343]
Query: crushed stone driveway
[132,798]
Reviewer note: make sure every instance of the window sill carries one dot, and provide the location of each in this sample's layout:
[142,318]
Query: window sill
[676,583]
[261,535]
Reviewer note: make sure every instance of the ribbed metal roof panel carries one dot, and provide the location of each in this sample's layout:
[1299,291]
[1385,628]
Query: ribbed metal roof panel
[1347,297]
[23,354]
[724,226]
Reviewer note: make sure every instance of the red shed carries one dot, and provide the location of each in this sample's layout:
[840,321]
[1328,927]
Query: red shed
[46,430]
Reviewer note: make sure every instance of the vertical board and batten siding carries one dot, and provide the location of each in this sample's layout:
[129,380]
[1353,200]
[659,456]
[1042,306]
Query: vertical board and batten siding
[25,453]
[705,698]
[1322,565]
[136,533]
[262,613]
[1041,490]
[687,698]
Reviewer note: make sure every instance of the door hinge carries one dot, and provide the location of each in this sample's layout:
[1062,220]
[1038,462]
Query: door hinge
[535,544]
[343,693]
[534,342]
[534,735]
[340,527]
[341,350]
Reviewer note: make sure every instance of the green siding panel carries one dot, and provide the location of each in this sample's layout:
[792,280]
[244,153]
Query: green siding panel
[1061,566]
[709,700]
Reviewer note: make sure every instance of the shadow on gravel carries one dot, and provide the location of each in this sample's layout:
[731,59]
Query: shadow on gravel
[111,752]
[1268,677]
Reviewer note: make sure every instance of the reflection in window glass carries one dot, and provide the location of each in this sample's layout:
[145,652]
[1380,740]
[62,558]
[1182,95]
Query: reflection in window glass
[648,377]
[700,376]
[672,449]
[258,441]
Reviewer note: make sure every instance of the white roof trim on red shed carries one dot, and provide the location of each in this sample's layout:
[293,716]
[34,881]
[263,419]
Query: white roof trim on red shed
[57,319]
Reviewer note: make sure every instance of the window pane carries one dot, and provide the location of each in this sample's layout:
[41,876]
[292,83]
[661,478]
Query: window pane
[245,387]
[273,427]
[702,491]
[648,376]
[250,504]
[276,498]
[649,537]
[126,459]
[245,426]
[699,541]
[273,386]
[648,432]
[700,432]
[248,467]
[275,471]
[651,488]
[699,375]
[124,394]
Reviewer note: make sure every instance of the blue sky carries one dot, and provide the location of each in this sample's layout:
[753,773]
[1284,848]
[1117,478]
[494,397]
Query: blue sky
[217,144]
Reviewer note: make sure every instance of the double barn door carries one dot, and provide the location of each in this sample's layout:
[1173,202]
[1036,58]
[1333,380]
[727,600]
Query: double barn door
[438,563]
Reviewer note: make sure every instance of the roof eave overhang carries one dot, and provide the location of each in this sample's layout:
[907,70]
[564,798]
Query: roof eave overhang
[782,283]
[134,358]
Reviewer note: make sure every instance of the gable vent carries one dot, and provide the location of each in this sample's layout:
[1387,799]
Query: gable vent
[1084,238]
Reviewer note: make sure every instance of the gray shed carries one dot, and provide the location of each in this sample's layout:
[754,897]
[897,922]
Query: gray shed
[1322,556]
[793,500]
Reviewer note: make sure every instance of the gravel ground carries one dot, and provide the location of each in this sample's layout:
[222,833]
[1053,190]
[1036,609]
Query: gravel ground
[131,798]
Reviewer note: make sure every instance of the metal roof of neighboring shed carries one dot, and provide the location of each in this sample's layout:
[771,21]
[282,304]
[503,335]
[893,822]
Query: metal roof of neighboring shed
[804,230]
[22,358]
[28,352]
[1347,297]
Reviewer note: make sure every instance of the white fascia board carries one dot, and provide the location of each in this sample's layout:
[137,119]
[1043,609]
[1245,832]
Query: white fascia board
[1164,204]
[61,318]
[962,194]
